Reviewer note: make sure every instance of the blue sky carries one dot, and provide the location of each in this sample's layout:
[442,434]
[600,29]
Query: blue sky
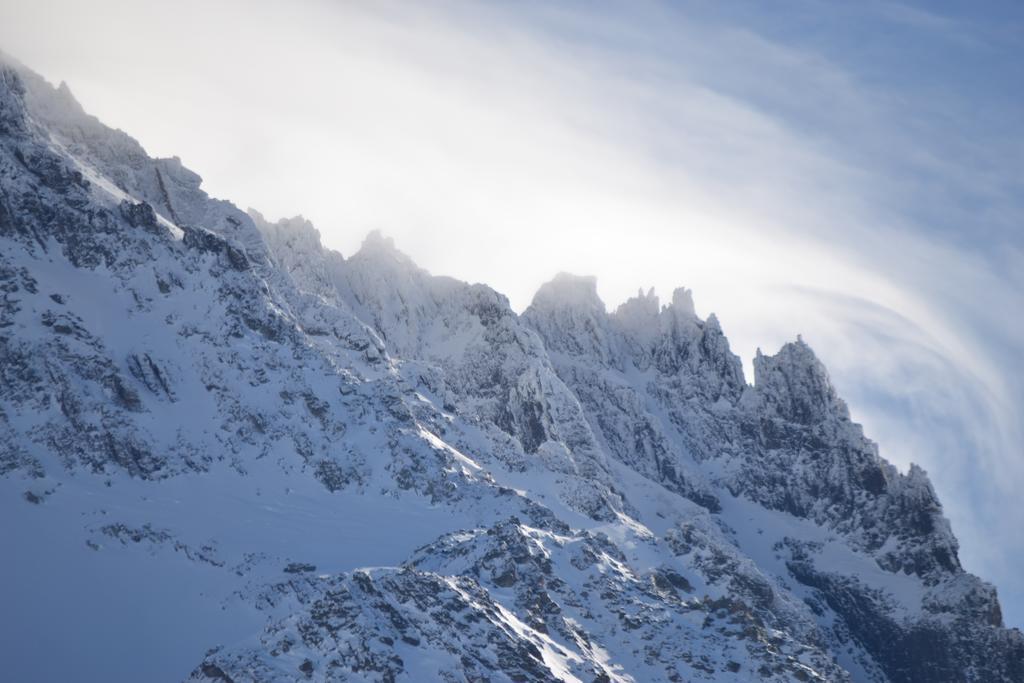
[848,171]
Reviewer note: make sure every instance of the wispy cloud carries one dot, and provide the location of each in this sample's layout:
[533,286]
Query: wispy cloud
[841,174]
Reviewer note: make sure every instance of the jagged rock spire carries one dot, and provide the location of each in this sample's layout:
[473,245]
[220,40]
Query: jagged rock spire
[796,386]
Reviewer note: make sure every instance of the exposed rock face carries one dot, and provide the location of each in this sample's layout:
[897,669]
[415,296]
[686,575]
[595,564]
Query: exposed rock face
[786,443]
[198,395]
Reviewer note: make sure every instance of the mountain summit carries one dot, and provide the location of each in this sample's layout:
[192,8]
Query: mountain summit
[228,453]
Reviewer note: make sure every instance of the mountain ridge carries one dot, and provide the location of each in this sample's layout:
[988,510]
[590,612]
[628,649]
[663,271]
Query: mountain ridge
[502,472]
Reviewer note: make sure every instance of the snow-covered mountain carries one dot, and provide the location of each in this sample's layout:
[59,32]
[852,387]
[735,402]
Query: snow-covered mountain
[228,453]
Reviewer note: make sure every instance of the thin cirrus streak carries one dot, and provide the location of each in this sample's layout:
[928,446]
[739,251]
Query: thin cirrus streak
[845,172]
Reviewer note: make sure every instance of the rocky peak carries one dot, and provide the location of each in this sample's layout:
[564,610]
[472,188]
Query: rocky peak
[60,102]
[297,233]
[638,319]
[381,250]
[639,311]
[796,387]
[567,292]
[46,101]
[296,249]
[704,350]
[682,303]
[677,343]
[679,319]
[571,318]
[16,80]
